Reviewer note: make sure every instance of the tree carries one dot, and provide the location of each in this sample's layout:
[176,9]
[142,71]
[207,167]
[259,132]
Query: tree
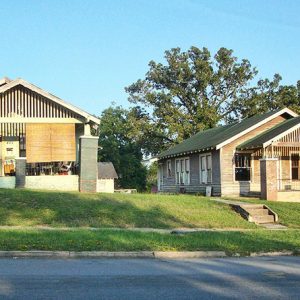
[152,176]
[269,95]
[119,145]
[192,92]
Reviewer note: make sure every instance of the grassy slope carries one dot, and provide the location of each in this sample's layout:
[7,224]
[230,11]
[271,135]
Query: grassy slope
[109,240]
[28,208]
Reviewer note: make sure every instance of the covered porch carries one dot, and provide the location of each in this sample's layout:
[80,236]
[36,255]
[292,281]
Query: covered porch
[275,161]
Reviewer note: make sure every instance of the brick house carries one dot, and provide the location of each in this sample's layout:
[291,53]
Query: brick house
[45,142]
[257,156]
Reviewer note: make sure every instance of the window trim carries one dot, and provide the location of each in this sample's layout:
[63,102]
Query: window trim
[169,175]
[248,153]
[182,162]
[208,180]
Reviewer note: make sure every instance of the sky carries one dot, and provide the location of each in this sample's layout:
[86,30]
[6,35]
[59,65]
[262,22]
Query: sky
[86,52]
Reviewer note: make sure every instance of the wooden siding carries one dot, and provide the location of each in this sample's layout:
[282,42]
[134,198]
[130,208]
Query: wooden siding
[285,166]
[20,101]
[169,183]
[192,189]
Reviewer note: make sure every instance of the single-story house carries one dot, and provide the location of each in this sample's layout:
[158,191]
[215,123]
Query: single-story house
[257,156]
[45,142]
[106,177]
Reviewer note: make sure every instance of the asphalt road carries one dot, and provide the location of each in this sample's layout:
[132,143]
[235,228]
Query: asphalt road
[229,278]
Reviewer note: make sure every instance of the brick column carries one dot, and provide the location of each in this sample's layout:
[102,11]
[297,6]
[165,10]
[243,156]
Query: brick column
[268,178]
[20,172]
[88,163]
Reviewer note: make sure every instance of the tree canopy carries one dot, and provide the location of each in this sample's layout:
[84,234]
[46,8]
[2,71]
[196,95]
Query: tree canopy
[119,145]
[195,90]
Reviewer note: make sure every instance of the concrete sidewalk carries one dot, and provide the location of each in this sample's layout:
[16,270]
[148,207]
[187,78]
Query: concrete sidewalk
[139,254]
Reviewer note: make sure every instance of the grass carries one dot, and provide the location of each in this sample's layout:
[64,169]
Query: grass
[57,209]
[111,240]
[27,208]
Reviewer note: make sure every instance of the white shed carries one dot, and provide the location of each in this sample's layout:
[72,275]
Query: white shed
[106,177]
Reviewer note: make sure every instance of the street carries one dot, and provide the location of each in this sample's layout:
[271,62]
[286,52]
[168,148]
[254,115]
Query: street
[229,278]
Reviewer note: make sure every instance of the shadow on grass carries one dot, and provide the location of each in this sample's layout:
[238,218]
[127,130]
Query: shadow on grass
[28,208]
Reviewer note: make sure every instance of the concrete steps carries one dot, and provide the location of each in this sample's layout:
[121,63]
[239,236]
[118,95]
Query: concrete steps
[257,213]
[263,219]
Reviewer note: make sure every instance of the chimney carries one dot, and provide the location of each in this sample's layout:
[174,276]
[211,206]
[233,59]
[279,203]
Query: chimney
[4,81]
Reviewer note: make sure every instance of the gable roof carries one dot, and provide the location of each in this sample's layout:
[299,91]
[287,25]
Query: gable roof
[266,138]
[218,137]
[106,170]
[8,84]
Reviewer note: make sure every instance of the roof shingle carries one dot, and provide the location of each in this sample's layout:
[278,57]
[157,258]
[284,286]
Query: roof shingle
[259,140]
[209,139]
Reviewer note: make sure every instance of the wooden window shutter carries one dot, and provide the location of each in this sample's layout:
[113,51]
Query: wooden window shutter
[38,143]
[63,146]
[50,142]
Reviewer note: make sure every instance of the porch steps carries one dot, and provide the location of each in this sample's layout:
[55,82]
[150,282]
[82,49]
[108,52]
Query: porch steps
[256,213]
[259,214]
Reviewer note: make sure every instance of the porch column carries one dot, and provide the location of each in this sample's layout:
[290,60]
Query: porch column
[268,178]
[20,172]
[88,164]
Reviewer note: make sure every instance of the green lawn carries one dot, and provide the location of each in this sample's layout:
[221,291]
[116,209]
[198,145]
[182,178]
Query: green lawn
[27,208]
[111,240]
[56,209]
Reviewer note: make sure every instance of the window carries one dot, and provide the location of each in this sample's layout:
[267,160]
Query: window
[22,144]
[295,166]
[161,175]
[205,168]
[169,168]
[183,171]
[242,167]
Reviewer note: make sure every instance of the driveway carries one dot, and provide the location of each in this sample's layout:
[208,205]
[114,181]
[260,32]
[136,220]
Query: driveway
[229,278]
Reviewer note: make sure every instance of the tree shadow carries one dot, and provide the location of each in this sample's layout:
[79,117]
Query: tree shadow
[28,208]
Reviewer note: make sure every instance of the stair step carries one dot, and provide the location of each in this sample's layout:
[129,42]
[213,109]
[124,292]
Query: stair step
[253,206]
[258,211]
[263,219]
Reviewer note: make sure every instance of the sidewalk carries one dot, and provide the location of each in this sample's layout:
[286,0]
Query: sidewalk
[157,230]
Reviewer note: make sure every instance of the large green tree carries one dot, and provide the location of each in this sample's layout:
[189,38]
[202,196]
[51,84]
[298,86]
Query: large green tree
[269,95]
[191,92]
[194,90]
[119,143]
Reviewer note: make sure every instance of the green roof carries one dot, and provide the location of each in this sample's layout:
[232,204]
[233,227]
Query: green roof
[209,139]
[259,140]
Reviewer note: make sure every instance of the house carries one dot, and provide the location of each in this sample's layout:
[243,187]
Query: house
[45,142]
[106,177]
[257,156]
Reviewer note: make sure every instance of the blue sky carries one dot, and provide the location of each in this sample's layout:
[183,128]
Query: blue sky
[86,52]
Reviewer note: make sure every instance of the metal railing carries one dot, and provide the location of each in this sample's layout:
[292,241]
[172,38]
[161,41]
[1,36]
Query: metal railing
[51,168]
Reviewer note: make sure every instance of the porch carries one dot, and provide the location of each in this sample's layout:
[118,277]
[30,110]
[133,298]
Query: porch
[276,154]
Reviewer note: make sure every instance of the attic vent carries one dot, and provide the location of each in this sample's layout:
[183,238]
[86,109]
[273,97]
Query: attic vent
[4,81]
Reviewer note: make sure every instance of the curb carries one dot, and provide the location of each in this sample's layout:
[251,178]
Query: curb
[188,254]
[139,254]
